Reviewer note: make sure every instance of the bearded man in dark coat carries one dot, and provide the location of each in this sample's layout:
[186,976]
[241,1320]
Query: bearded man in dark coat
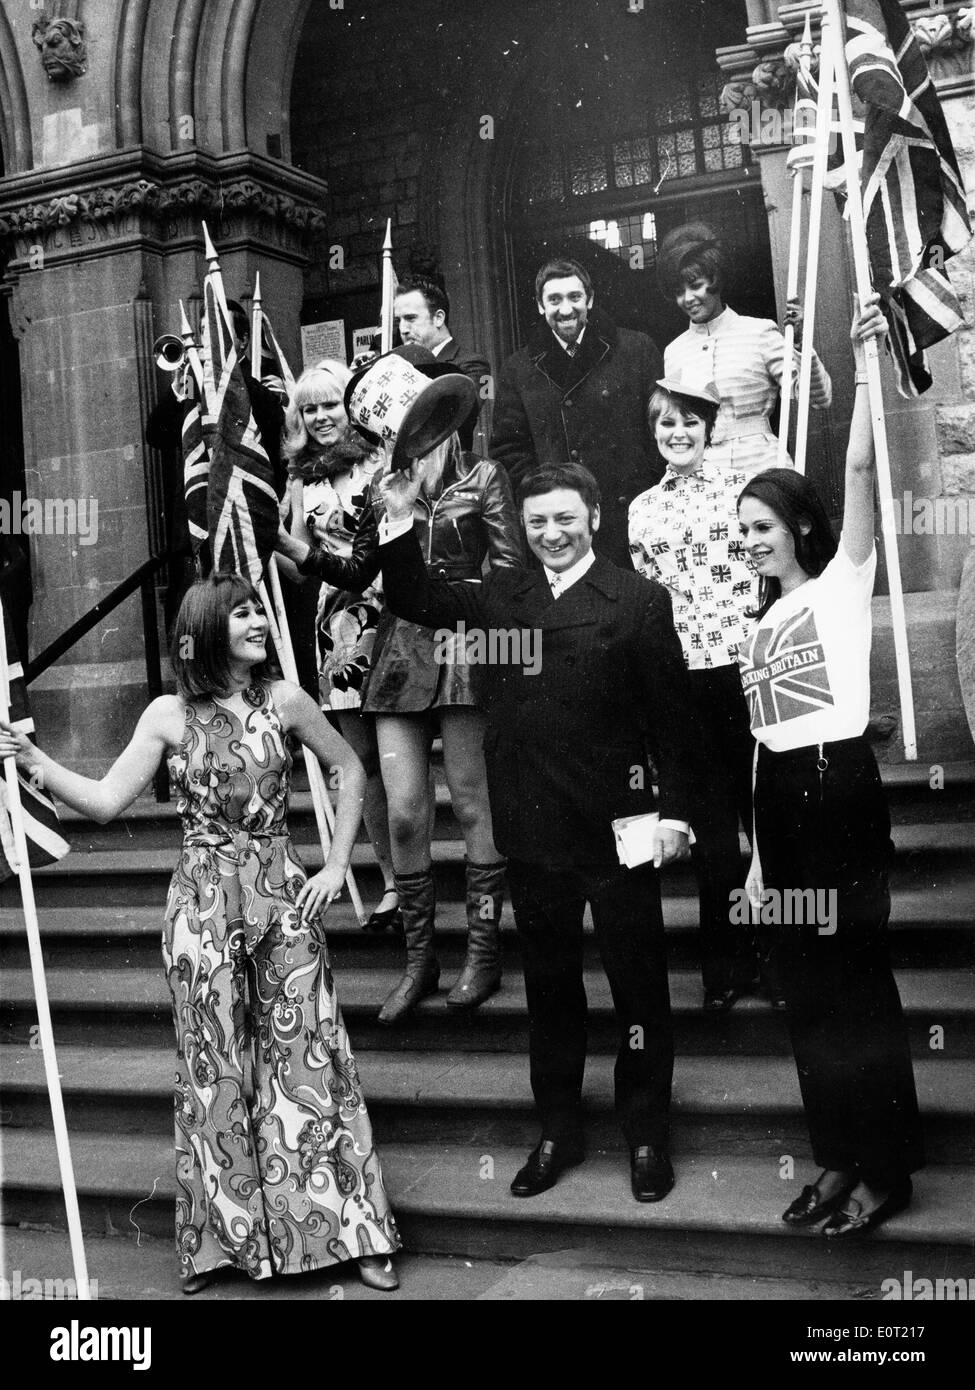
[578,392]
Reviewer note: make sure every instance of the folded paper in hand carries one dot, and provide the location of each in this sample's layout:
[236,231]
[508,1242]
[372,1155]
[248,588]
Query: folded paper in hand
[636,838]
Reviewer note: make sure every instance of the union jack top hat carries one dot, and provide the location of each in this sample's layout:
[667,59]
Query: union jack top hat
[408,399]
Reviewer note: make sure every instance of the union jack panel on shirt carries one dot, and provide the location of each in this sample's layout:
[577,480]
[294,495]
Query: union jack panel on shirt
[783,671]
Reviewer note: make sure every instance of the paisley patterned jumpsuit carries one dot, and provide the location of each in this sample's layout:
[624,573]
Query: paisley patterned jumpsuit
[275,1166]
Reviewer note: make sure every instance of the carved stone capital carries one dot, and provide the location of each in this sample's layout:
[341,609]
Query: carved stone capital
[67,214]
[764,68]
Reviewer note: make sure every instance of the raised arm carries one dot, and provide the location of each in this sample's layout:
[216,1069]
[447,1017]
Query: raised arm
[158,730]
[354,574]
[857,536]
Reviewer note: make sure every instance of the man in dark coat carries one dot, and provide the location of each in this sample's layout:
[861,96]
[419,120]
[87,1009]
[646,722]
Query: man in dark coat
[568,732]
[578,392]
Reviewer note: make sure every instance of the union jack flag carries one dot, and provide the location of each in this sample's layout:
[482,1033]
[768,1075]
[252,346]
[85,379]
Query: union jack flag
[783,671]
[913,196]
[44,842]
[241,502]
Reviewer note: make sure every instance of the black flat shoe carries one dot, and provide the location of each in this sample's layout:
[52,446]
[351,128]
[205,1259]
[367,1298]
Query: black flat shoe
[545,1166]
[857,1222]
[651,1174]
[720,1001]
[195,1283]
[810,1206]
[391,917]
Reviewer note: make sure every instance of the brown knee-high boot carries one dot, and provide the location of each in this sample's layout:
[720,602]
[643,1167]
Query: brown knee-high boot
[418,901]
[481,974]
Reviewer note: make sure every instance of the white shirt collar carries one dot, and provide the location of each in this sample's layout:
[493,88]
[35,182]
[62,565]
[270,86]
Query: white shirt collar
[440,347]
[578,342]
[566,578]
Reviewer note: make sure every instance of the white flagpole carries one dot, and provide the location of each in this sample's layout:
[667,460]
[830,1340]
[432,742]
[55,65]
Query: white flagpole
[386,310]
[324,815]
[257,324]
[41,998]
[801,157]
[861,260]
[824,112]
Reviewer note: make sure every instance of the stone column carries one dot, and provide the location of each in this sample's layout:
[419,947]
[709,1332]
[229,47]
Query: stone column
[89,244]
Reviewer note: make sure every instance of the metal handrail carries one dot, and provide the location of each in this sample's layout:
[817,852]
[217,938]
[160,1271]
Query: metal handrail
[139,579]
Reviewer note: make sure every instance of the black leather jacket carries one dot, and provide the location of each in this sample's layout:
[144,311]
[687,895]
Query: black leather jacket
[473,519]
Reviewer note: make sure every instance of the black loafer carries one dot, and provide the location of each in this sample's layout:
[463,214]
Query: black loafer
[810,1206]
[857,1222]
[651,1174]
[545,1165]
[195,1283]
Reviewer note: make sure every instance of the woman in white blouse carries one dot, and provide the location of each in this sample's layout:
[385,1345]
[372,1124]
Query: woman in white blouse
[743,356]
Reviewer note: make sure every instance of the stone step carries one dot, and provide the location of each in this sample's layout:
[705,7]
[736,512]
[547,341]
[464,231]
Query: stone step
[927,929]
[937,855]
[146,1270]
[915,792]
[724,1214]
[720,1104]
[131,1007]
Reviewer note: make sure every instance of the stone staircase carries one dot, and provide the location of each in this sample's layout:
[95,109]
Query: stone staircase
[449,1095]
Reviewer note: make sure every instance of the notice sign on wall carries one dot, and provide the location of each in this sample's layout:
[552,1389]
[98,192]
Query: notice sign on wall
[362,339]
[320,340]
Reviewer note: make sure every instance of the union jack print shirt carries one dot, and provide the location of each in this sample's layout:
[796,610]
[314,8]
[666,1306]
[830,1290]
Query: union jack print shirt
[684,533]
[806,667]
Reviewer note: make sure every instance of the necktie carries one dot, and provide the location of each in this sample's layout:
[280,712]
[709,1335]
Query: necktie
[572,349]
[556,584]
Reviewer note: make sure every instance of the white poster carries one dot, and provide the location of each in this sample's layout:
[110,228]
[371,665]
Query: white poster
[319,340]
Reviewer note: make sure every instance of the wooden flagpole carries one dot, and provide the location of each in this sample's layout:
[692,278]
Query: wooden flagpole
[386,308]
[861,260]
[324,815]
[48,1051]
[801,157]
[257,326]
[824,113]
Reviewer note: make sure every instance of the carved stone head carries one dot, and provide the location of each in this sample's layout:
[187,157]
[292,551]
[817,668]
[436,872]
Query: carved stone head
[63,49]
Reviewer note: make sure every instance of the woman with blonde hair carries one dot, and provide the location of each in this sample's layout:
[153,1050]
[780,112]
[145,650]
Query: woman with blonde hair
[331,467]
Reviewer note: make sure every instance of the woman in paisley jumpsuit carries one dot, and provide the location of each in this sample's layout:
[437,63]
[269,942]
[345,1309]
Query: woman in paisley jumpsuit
[276,1172]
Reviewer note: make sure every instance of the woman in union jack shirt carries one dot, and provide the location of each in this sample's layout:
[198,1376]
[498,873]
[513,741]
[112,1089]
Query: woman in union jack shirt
[822,830]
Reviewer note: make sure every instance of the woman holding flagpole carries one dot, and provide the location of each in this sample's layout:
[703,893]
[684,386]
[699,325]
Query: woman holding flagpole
[279,1176]
[330,467]
[823,829]
[742,355]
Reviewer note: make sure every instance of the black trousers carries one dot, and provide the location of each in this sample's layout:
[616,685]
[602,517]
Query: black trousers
[828,828]
[724,737]
[548,905]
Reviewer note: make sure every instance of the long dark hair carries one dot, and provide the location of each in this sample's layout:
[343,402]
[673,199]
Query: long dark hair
[794,501]
[200,648]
